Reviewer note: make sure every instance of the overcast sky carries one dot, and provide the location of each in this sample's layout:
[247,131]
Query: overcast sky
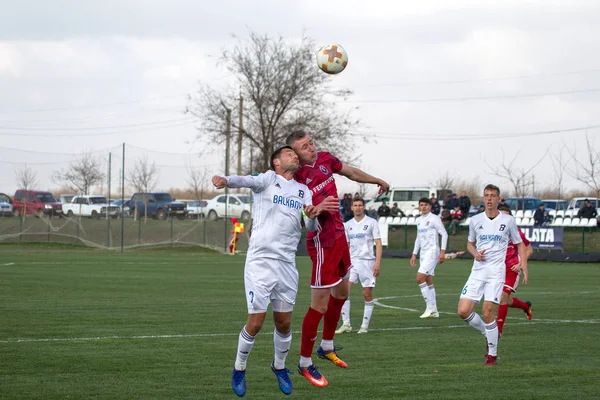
[434,81]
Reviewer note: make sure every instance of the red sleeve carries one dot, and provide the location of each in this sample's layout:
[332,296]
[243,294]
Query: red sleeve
[523,238]
[334,163]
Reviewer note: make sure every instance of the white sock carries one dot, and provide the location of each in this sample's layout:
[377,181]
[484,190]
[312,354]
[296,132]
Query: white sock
[281,342]
[432,299]
[491,333]
[245,343]
[476,322]
[346,312]
[305,362]
[367,316]
[327,345]
[425,293]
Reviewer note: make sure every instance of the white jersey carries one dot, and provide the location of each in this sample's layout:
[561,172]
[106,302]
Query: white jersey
[361,235]
[428,228]
[492,235]
[277,214]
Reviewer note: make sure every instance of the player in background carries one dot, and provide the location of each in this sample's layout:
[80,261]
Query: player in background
[489,234]
[362,233]
[429,226]
[270,274]
[328,250]
[513,272]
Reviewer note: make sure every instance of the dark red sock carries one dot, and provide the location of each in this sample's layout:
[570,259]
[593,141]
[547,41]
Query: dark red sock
[332,317]
[516,303]
[502,311]
[310,325]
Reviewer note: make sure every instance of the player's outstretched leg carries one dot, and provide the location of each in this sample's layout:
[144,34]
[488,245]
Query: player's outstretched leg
[346,325]
[310,325]
[523,305]
[238,376]
[330,321]
[425,292]
[364,327]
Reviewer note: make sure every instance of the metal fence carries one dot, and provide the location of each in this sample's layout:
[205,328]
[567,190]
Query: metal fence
[122,234]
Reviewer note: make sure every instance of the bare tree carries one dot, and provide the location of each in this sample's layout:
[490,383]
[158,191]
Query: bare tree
[586,169]
[283,91]
[445,184]
[197,179]
[81,175]
[143,178]
[363,189]
[559,165]
[521,179]
[26,178]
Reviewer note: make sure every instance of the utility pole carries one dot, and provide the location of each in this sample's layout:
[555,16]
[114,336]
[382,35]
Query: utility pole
[240,131]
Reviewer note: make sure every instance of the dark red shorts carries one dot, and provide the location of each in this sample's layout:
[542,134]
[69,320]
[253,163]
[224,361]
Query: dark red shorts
[511,281]
[330,264]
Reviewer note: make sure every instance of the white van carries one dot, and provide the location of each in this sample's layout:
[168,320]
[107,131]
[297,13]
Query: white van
[406,197]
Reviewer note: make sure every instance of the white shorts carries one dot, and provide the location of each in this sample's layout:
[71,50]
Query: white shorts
[427,265]
[490,290]
[268,280]
[362,270]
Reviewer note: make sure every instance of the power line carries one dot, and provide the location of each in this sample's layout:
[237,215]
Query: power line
[93,128]
[85,107]
[506,96]
[151,128]
[114,148]
[505,78]
[484,136]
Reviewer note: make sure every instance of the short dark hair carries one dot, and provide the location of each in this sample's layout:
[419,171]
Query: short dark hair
[358,199]
[424,200]
[295,136]
[276,154]
[489,186]
[504,207]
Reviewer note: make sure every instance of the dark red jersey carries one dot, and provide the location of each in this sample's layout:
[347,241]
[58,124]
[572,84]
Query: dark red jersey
[512,251]
[319,179]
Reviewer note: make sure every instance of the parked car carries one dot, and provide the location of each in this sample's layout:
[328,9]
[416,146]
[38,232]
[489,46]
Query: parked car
[156,205]
[66,198]
[197,208]
[555,204]
[90,206]
[406,197]
[6,208]
[123,205]
[577,202]
[523,203]
[232,205]
[36,202]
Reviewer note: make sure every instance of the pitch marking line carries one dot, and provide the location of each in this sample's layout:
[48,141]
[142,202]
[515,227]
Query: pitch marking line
[537,320]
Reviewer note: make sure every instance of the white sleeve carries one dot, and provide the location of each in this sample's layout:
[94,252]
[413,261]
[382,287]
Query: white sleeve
[257,183]
[417,244]
[376,232]
[513,231]
[472,233]
[442,232]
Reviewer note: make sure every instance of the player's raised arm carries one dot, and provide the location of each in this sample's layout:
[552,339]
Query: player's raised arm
[257,183]
[358,175]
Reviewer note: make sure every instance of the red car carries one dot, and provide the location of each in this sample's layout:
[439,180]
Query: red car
[36,202]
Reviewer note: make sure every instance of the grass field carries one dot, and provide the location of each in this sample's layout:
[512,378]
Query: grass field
[163,324]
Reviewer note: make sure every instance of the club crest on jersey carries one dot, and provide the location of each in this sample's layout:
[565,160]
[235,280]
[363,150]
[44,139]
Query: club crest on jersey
[323,169]
[301,193]
[308,180]
[365,227]
[427,224]
[502,227]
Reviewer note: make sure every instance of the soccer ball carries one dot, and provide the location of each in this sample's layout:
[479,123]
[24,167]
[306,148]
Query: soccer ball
[332,58]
